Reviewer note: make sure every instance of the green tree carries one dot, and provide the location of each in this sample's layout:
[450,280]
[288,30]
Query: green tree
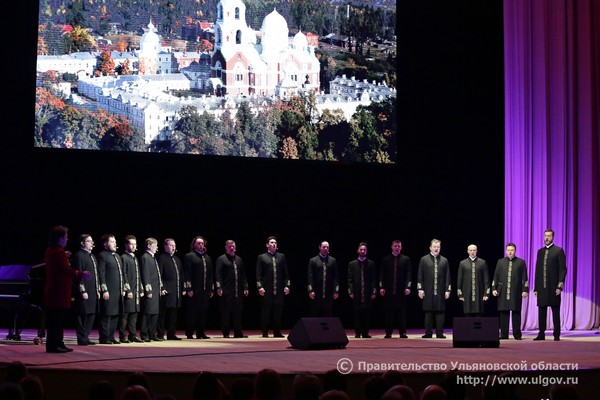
[77,13]
[365,143]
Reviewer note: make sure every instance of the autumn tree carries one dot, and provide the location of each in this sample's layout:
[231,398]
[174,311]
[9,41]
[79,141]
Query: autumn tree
[289,150]
[106,65]
[121,45]
[42,46]
[80,40]
[124,68]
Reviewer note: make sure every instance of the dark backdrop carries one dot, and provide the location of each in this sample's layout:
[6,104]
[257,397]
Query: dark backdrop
[448,183]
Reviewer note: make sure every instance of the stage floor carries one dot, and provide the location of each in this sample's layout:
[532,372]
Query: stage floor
[578,352]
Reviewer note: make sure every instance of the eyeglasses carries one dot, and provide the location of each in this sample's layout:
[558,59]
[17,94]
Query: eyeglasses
[89,241]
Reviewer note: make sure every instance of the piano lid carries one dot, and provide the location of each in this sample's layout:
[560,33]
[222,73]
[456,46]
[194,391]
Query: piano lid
[14,273]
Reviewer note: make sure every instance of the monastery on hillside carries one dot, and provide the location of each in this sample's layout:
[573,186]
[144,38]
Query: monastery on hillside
[269,65]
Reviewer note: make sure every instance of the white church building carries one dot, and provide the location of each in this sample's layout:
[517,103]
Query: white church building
[246,62]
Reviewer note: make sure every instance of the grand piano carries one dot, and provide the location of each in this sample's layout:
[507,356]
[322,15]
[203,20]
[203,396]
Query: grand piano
[21,295]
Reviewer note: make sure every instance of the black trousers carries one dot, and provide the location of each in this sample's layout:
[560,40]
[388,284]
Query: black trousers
[543,316]
[395,314]
[362,319]
[438,316]
[149,326]
[270,314]
[55,322]
[516,323]
[231,314]
[195,320]
[128,325]
[108,326]
[167,321]
[83,326]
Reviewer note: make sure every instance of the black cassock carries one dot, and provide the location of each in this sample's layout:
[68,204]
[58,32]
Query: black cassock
[110,276]
[395,280]
[131,269]
[151,283]
[510,280]
[472,283]
[550,276]
[435,282]
[232,280]
[272,276]
[85,261]
[362,282]
[323,277]
[170,272]
[198,278]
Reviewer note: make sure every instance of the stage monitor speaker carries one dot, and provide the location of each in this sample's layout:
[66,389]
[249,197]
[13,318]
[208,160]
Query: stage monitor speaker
[476,332]
[318,334]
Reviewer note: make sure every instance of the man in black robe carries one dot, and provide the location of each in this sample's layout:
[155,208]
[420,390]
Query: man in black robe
[323,282]
[232,287]
[433,284]
[87,292]
[394,286]
[170,271]
[473,283]
[133,292]
[273,283]
[362,289]
[550,273]
[199,287]
[112,289]
[153,289]
[511,286]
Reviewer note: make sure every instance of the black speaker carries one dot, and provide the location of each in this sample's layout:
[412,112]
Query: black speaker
[318,334]
[476,332]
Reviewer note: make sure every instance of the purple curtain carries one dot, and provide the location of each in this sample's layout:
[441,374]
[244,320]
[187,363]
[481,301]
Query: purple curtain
[552,146]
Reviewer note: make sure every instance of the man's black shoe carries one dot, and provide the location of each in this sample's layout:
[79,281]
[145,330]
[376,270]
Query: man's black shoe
[539,337]
[57,350]
[173,338]
[427,336]
[403,336]
[440,336]
[388,336]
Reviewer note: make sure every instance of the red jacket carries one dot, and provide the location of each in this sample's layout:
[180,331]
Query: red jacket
[59,278]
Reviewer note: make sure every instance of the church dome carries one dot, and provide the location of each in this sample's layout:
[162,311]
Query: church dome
[150,40]
[300,41]
[274,33]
